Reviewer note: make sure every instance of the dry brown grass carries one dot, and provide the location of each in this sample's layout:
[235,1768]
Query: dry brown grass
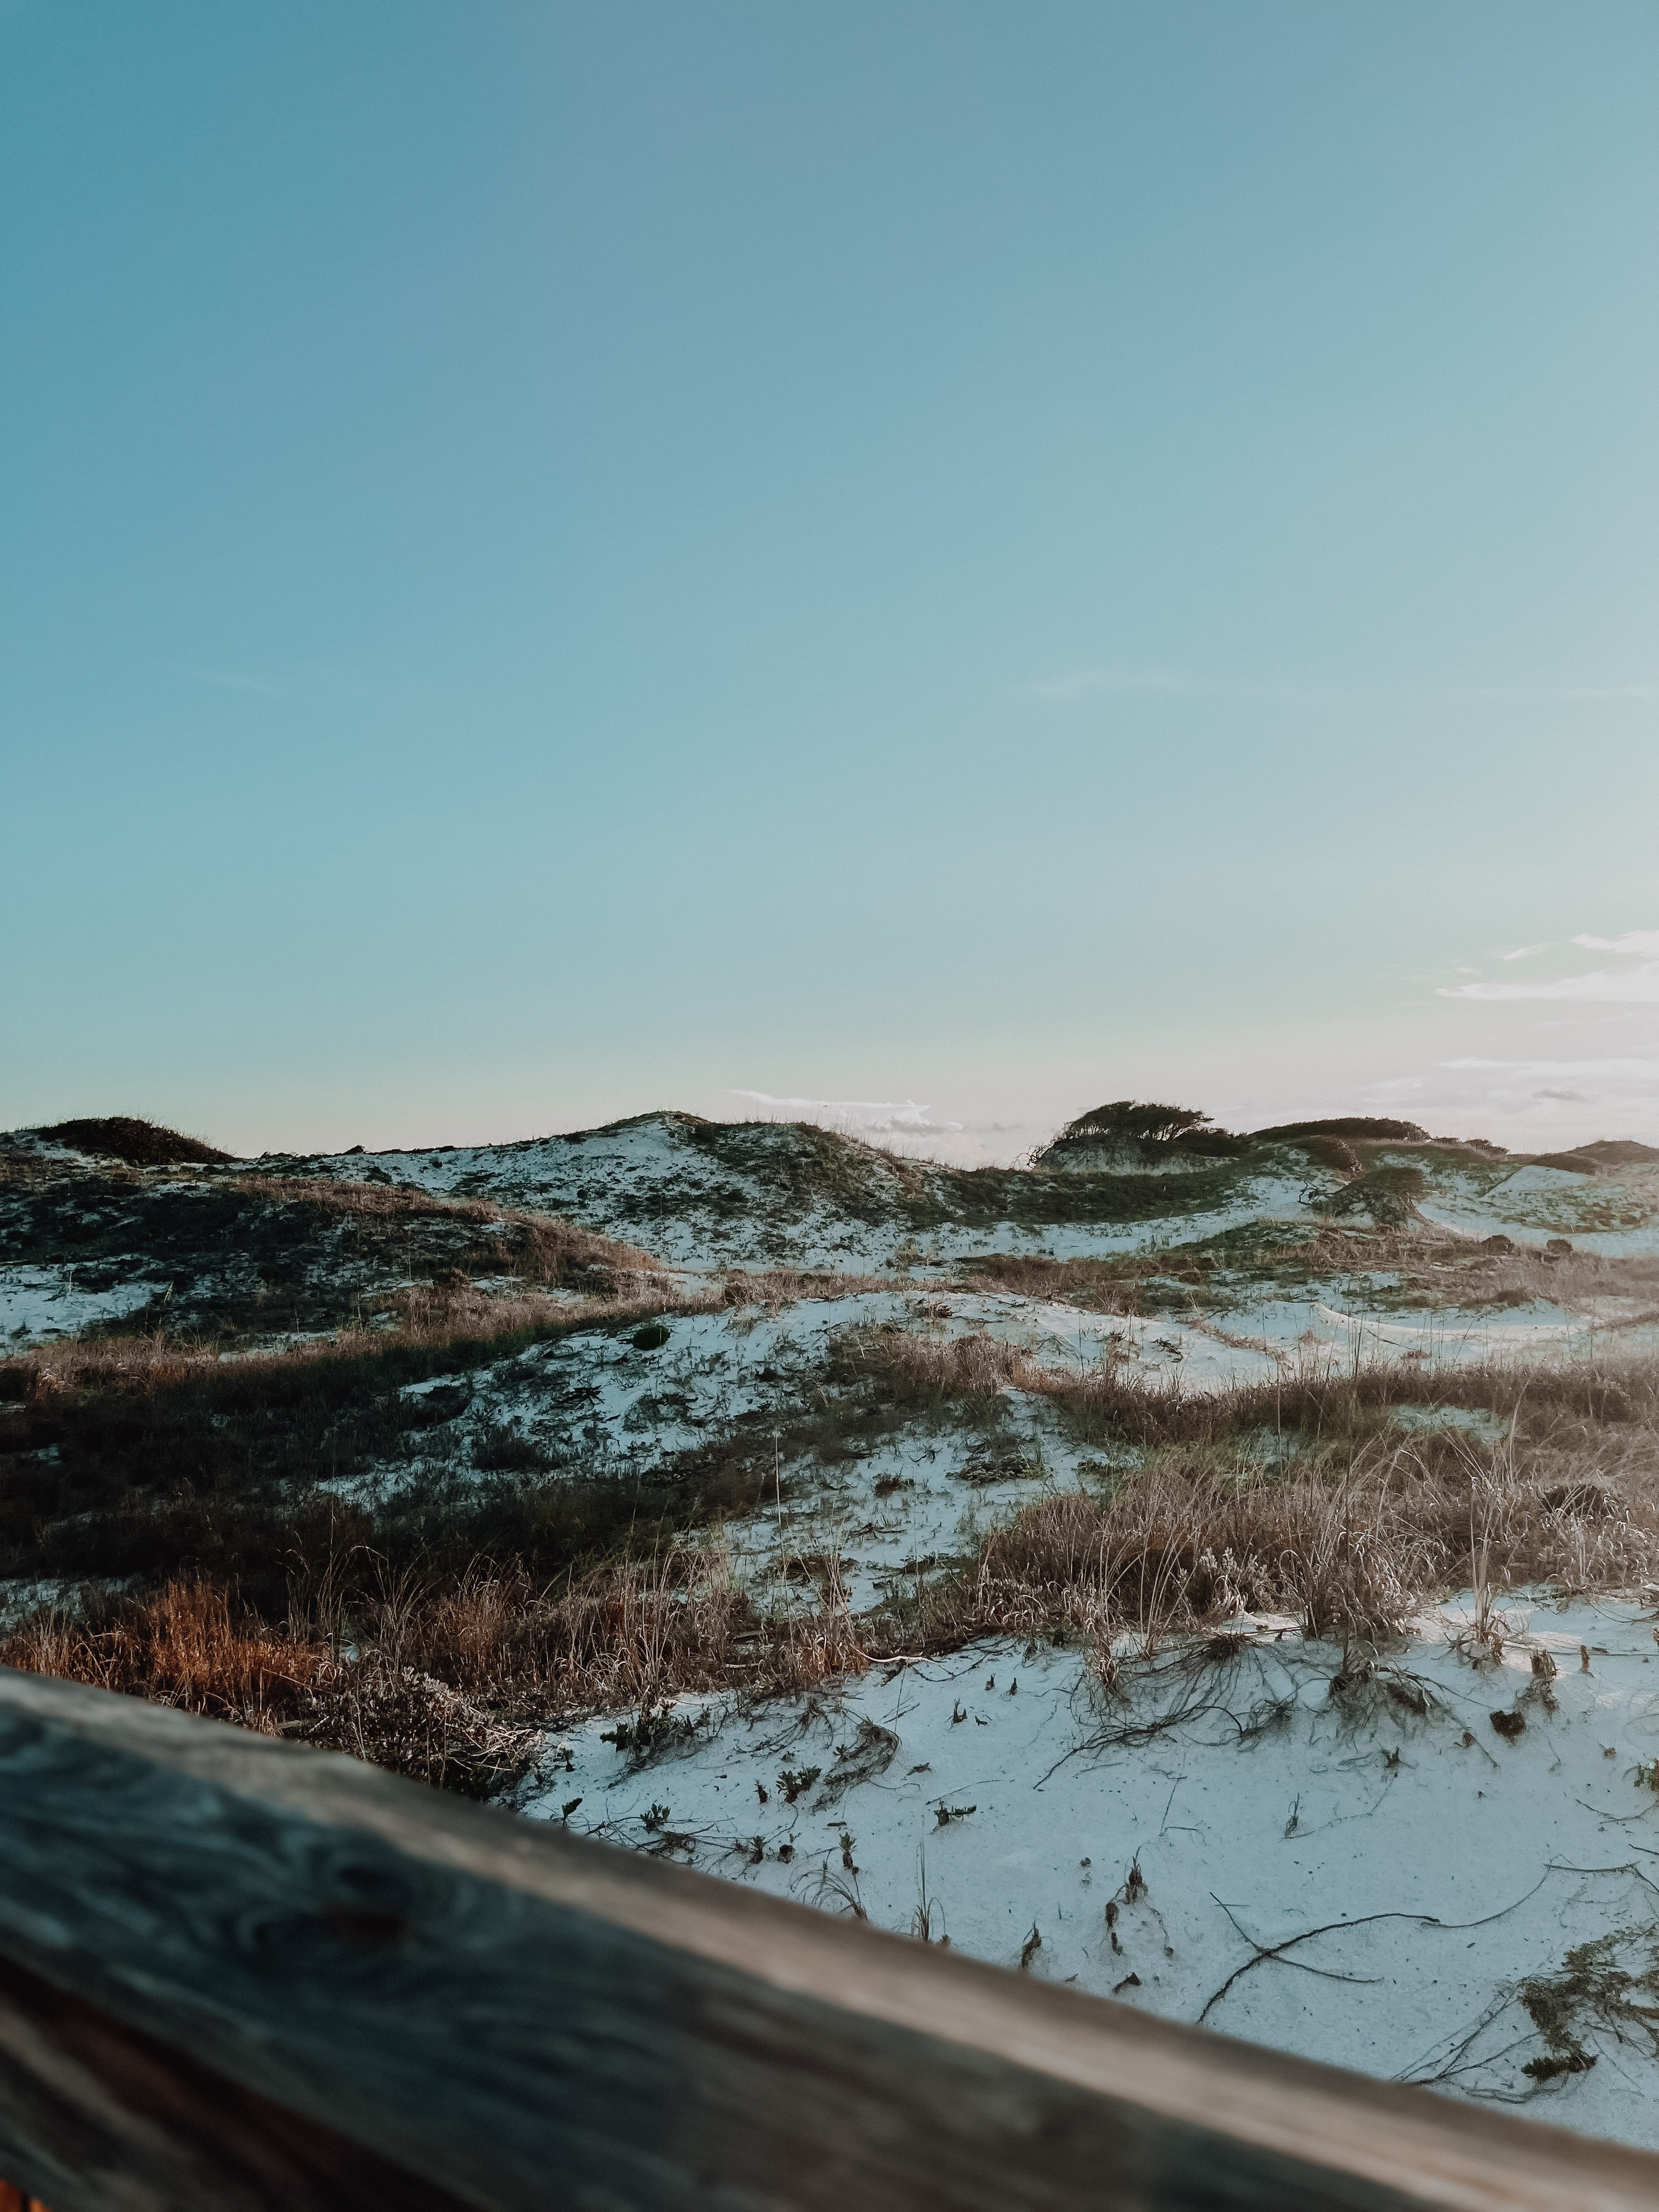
[1357,1530]
[180,1647]
[431,1317]
[446,1315]
[541,1247]
[1102,1285]
[1350,1540]
[775,1288]
[1195,1517]
[630,1635]
[1179,1548]
[183,1647]
[387,1200]
[1452,1271]
[135,1140]
[940,1370]
[1460,1271]
[450,1686]
[1320,1397]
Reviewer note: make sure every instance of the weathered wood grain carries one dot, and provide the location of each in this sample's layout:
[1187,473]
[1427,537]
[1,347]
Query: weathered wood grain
[342,1965]
[112,2116]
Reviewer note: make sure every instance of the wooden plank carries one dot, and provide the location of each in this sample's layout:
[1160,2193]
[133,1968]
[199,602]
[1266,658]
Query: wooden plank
[522,2018]
[107,2116]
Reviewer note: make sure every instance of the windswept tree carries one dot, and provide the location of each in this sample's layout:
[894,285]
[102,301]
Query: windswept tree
[1134,1121]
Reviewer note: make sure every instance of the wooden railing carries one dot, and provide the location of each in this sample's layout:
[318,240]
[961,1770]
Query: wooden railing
[237,1974]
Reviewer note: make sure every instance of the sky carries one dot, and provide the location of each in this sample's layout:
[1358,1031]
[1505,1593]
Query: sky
[946,563]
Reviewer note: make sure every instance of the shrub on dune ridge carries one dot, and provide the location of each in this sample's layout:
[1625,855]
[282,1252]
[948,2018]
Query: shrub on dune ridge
[1130,1121]
[138,1142]
[1345,1124]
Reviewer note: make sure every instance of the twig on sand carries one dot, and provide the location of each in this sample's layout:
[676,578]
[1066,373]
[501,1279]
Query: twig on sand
[1590,1981]
[1274,1953]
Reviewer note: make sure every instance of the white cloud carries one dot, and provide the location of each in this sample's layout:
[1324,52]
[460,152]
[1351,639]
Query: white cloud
[885,1114]
[1061,691]
[1084,683]
[1525,951]
[1637,985]
[1633,940]
[1544,1102]
[1609,693]
[1080,683]
[1398,1087]
[1631,986]
[1566,1070]
[907,1129]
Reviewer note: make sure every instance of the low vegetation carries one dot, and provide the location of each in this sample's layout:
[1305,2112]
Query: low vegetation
[432,1630]
[1130,1130]
[233,1261]
[131,1139]
[200,1495]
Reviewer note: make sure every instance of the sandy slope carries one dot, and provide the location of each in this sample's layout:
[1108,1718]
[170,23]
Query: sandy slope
[1259,1796]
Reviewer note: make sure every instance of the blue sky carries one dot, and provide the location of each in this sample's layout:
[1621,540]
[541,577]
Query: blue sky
[558,560]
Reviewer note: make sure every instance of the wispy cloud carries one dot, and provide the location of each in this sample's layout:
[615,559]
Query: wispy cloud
[1634,984]
[1086,683]
[1633,940]
[904,1127]
[1569,1070]
[1525,951]
[899,1115]
[307,680]
[1394,1089]
[1604,986]
[1612,693]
